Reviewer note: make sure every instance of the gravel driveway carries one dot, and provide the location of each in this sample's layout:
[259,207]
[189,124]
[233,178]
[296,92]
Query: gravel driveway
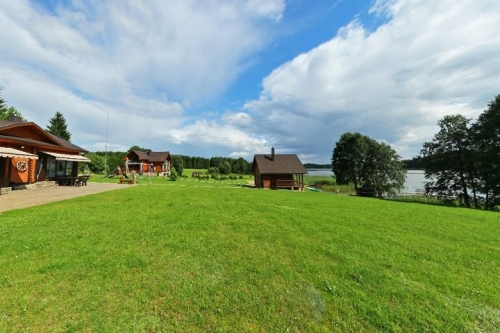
[27,198]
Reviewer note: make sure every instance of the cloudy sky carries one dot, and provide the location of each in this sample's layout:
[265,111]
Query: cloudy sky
[234,78]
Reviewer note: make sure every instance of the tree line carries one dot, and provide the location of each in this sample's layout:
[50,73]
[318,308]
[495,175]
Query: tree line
[102,162]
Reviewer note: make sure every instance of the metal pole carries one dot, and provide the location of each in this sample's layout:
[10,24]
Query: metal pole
[106,148]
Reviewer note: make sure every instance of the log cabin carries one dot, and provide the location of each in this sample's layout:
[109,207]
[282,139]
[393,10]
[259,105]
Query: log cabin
[29,154]
[144,162]
[278,171]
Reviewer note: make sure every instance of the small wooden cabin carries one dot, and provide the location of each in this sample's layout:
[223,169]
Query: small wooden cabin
[278,171]
[150,161]
[29,154]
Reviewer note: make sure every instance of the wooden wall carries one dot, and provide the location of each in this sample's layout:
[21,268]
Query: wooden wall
[17,176]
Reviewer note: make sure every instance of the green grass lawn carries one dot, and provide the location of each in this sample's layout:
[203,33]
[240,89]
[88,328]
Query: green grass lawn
[192,256]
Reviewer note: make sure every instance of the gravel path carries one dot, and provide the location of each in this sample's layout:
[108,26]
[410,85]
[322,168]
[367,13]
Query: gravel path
[27,198]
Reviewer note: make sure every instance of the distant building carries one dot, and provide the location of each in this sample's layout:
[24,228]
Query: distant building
[278,171]
[150,161]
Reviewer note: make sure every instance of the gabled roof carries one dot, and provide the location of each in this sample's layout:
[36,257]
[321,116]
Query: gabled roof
[142,155]
[159,156]
[281,164]
[67,144]
[49,140]
[152,156]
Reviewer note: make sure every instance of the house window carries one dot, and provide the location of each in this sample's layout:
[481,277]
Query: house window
[69,167]
[64,168]
[51,167]
[61,168]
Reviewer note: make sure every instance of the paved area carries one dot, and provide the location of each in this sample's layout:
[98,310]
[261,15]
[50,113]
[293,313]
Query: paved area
[27,198]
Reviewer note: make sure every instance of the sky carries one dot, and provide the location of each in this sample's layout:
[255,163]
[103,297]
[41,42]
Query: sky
[235,78]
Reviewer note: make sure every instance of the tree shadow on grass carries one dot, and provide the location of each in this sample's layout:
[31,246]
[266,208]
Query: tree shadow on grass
[426,201]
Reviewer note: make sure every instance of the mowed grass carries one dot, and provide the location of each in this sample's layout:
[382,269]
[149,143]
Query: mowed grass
[192,257]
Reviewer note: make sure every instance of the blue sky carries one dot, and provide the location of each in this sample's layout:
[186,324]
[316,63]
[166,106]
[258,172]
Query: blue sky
[235,78]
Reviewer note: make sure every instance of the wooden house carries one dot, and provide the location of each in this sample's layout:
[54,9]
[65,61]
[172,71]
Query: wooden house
[144,162]
[278,171]
[29,154]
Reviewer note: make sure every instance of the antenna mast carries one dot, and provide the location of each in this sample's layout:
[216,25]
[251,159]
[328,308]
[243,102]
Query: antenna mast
[106,148]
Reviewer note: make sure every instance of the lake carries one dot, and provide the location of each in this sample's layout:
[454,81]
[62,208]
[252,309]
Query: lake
[414,178]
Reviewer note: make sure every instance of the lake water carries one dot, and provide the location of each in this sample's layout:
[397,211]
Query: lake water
[414,178]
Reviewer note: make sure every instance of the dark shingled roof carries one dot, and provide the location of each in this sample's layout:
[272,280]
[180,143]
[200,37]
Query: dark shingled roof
[282,164]
[152,156]
[143,156]
[67,144]
[158,156]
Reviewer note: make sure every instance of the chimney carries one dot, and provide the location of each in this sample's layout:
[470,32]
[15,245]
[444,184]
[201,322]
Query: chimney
[272,153]
[16,119]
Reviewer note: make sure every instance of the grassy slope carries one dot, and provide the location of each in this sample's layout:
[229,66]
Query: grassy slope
[170,257]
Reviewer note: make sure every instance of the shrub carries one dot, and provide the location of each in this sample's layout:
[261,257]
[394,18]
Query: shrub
[213,170]
[173,175]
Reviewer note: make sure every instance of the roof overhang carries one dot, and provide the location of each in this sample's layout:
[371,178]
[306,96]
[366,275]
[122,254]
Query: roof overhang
[11,152]
[67,157]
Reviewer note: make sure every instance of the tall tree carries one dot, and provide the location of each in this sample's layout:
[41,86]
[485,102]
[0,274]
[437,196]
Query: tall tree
[178,164]
[357,159]
[349,157]
[384,168]
[58,127]
[447,157]
[485,135]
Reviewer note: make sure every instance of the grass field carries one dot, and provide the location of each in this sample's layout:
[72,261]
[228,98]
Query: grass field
[192,256]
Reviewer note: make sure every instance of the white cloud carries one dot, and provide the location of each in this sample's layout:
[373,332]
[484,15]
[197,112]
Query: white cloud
[240,119]
[207,133]
[429,59]
[266,8]
[138,64]
[146,66]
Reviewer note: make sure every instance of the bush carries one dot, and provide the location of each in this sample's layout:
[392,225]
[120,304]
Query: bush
[173,175]
[213,170]
[329,182]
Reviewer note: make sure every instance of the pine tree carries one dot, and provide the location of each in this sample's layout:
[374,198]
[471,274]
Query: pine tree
[7,111]
[58,127]
[3,108]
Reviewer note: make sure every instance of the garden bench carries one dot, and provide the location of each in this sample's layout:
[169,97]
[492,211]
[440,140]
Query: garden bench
[365,192]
